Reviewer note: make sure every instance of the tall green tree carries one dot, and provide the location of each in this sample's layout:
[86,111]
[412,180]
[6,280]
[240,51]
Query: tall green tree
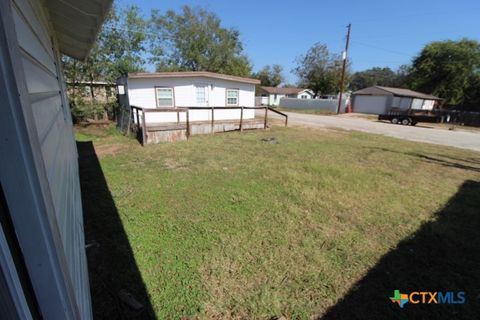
[319,70]
[194,40]
[374,77]
[450,70]
[270,76]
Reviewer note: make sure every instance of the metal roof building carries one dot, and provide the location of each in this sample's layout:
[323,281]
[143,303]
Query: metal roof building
[379,100]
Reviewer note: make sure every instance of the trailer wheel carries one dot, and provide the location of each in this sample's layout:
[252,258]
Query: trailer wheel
[405,122]
[394,120]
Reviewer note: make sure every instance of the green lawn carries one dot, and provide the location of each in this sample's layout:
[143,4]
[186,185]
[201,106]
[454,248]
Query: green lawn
[228,226]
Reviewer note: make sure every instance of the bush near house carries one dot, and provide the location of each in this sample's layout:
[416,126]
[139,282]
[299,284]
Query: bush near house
[82,111]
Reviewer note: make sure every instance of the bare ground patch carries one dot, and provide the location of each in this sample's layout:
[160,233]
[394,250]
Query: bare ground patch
[109,149]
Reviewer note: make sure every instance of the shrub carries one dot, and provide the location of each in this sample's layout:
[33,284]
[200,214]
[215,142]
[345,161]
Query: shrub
[83,111]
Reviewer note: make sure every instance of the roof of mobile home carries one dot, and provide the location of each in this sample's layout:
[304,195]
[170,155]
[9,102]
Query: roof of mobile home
[290,90]
[381,91]
[187,74]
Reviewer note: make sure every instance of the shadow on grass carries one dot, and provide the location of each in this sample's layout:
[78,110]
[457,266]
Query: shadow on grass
[443,255]
[447,161]
[111,264]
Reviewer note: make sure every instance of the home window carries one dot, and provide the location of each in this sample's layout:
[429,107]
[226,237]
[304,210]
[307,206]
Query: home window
[232,97]
[164,97]
[304,96]
[121,89]
[200,95]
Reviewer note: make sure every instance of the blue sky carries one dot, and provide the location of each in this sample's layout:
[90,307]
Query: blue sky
[384,33]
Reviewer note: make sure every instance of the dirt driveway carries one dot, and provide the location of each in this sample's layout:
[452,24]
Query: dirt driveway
[458,138]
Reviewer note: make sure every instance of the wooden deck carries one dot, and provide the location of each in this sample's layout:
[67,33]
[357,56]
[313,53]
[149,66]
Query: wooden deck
[156,132]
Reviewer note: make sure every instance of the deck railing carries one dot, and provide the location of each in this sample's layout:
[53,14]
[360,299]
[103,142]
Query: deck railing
[136,115]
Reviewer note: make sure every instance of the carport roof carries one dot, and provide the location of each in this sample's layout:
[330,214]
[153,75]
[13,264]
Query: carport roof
[381,91]
[77,23]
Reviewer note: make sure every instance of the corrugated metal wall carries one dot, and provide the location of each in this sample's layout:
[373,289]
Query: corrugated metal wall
[45,85]
[313,104]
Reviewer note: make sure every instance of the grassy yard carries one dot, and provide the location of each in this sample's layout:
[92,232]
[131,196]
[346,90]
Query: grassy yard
[323,223]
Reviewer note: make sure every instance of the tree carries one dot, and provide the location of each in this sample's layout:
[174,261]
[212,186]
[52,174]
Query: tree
[374,77]
[450,70]
[403,74]
[319,70]
[119,49]
[194,40]
[270,76]
[123,42]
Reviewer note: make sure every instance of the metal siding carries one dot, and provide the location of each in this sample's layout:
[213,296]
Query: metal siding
[370,104]
[55,133]
[13,304]
[25,184]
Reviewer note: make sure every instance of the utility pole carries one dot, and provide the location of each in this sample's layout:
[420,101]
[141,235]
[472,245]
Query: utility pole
[344,57]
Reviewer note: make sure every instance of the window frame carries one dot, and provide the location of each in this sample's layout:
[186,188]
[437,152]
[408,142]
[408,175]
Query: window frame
[172,89]
[206,97]
[226,97]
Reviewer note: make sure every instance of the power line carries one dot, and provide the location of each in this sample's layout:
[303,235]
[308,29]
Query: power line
[383,49]
[403,18]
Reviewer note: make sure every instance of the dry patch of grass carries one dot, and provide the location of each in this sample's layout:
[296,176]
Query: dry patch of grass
[228,226]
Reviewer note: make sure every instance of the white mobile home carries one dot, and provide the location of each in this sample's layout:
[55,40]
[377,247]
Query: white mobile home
[188,89]
[43,267]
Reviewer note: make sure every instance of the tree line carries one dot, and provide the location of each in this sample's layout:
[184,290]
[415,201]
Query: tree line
[195,40]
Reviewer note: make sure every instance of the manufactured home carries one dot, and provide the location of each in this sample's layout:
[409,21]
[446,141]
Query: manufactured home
[43,266]
[159,102]
[188,89]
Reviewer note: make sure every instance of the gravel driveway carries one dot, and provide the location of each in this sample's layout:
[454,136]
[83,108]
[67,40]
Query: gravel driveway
[459,139]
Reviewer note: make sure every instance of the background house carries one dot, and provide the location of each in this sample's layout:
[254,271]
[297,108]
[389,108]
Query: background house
[188,89]
[43,267]
[379,100]
[92,91]
[271,95]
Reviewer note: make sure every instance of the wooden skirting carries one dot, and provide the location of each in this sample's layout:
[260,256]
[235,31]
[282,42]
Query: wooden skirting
[168,132]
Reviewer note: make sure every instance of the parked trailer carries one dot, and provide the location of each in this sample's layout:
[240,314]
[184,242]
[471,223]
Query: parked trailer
[410,118]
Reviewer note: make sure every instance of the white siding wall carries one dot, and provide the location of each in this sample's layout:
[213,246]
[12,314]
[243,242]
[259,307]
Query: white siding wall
[141,93]
[45,86]
[274,99]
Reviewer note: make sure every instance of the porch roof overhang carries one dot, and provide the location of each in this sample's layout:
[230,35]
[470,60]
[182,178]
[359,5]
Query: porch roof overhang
[77,23]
